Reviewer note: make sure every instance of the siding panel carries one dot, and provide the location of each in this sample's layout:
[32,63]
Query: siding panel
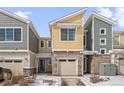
[97,25]
[6,21]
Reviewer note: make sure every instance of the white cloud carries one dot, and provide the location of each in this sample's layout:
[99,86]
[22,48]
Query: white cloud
[105,12]
[119,16]
[23,14]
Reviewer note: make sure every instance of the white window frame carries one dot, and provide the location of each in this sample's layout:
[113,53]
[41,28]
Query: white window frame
[43,43]
[103,49]
[118,40]
[67,37]
[13,35]
[48,43]
[104,31]
[102,39]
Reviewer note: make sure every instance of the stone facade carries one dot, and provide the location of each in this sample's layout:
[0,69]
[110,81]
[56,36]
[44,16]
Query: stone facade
[96,60]
[29,71]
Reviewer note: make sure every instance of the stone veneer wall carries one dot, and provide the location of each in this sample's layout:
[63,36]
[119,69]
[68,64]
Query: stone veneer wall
[96,60]
[29,72]
[55,63]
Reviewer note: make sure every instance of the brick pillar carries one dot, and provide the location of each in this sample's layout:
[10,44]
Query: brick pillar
[54,66]
[80,65]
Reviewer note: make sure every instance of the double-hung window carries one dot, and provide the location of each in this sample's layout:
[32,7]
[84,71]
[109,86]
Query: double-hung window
[102,31]
[10,34]
[102,41]
[67,34]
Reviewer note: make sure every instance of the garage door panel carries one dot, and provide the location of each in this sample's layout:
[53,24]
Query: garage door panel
[68,68]
[15,66]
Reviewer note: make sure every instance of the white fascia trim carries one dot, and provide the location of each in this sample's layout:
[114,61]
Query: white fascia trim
[93,34]
[49,38]
[14,51]
[68,24]
[66,50]
[112,36]
[17,51]
[101,17]
[102,29]
[102,39]
[68,16]
[28,37]
[14,16]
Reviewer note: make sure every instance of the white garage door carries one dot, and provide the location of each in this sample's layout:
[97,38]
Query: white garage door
[16,65]
[68,67]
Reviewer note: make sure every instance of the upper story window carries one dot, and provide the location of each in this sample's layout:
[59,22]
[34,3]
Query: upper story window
[42,43]
[102,50]
[102,41]
[102,31]
[10,34]
[49,43]
[67,34]
[116,40]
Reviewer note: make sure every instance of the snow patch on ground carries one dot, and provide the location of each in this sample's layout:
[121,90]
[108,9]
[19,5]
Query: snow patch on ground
[114,81]
[41,77]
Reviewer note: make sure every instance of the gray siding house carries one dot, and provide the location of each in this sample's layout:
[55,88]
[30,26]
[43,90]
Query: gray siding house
[99,42]
[19,43]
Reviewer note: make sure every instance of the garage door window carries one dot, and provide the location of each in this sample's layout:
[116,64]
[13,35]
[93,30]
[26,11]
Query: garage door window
[8,61]
[17,61]
[1,61]
[71,60]
[62,60]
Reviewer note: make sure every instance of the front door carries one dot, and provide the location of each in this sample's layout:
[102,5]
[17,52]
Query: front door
[41,67]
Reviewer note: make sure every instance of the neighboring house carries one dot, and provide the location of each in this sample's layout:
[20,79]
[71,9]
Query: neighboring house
[67,44]
[18,44]
[98,42]
[118,48]
[44,55]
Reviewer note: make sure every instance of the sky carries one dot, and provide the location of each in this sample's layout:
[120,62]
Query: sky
[41,16]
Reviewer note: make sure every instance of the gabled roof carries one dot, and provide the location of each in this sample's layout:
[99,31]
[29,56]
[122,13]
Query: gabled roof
[14,16]
[20,19]
[100,17]
[68,16]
